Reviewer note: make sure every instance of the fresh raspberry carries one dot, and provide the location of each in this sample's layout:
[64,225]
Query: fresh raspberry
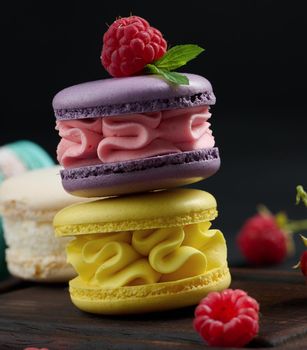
[261,241]
[303,263]
[303,260]
[228,318]
[129,44]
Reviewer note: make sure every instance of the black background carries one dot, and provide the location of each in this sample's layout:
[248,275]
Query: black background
[255,58]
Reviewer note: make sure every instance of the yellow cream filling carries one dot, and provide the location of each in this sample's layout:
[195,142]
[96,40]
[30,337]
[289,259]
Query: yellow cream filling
[112,260]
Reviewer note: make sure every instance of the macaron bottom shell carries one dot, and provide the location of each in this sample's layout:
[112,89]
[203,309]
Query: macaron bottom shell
[161,172]
[49,269]
[148,298]
[32,252]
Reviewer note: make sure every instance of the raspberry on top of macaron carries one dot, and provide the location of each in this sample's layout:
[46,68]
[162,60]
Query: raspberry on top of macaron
[129,44]
[145,129]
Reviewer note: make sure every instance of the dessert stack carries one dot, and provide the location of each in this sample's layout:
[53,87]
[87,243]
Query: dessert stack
[131,140]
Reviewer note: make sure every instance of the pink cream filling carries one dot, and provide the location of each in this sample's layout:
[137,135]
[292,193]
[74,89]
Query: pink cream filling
[134,136]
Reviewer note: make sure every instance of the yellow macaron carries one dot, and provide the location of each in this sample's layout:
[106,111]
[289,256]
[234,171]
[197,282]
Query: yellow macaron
[145,252]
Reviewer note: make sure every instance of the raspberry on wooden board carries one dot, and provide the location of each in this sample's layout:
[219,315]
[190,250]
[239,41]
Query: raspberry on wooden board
[227,318]
[303,263]
[261,241]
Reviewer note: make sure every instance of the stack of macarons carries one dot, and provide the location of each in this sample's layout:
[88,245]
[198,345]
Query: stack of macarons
[147,245]
[17,158]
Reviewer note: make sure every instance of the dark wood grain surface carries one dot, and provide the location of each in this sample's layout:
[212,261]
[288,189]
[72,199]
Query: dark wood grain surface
[43,316]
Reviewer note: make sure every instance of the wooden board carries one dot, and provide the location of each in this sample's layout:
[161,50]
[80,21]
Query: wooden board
[43,316]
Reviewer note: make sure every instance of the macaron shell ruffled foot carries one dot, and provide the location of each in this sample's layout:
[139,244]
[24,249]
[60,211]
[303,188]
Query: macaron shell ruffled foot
[145,252]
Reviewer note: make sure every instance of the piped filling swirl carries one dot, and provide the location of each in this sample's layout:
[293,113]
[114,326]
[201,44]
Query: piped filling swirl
[126,137]
[129,258]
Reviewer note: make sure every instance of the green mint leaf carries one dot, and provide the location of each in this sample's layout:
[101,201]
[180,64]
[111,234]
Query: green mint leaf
[178,56]
[150,68]
[173,77]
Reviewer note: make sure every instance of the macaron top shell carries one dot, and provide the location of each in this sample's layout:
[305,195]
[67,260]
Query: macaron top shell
[136,212]
[145,93]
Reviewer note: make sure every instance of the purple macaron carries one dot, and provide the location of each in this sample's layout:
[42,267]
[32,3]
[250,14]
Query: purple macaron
[134,134]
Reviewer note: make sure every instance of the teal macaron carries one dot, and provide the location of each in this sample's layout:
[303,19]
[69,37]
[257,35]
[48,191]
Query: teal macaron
[31,154]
